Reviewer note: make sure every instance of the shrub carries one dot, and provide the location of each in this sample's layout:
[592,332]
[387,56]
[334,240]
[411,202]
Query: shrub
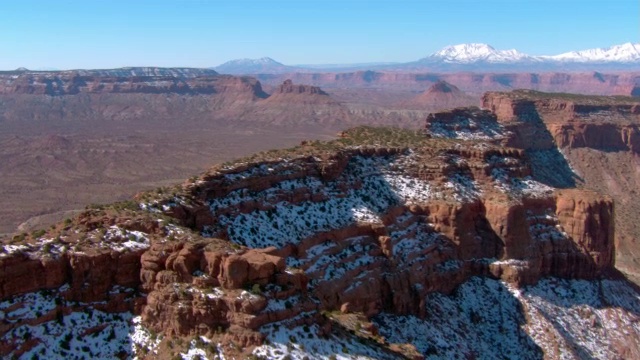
[46,248]
[112,335]
[255,289]
[19,237]
[38,233]
[64,344]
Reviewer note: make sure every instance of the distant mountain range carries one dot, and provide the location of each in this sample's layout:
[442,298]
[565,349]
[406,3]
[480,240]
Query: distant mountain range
[465,57]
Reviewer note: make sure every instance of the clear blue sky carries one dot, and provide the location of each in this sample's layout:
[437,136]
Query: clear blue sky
[103,34]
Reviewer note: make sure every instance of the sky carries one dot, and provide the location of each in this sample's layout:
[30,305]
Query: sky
[70,34]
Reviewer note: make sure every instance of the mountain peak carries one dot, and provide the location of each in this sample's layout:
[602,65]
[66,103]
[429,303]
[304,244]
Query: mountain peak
[474,52]
[627,52]
[254,66]
[246,61]
[470,47]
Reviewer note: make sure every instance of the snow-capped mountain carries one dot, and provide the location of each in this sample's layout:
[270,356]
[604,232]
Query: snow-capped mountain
[624,53]
[483,57]
[264,65]
[465,57]
[475,52]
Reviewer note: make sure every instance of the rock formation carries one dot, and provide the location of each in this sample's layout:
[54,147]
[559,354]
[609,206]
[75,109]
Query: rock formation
[291,103]
[571,140]
[441,95]
[378,244]
[476,83]
[329,248]
[162,95]
[296,95]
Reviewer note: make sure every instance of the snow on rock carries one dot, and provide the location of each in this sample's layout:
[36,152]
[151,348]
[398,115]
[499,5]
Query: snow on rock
[519,187]
[465,189]
[552,167]
[373,185]
[411,241]
[114,238]
[120,239]
[196,350]
[545,227]
[566,319]
[303,342]
[28,306]
[587,319]
[81,334]
[41,247]
[466,128]
[335,264]
[6,250]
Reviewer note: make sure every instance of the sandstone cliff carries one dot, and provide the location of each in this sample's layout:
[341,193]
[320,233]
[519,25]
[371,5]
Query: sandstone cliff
[330,248]
[593,83]
[602,123]
[163,95]
[571,140]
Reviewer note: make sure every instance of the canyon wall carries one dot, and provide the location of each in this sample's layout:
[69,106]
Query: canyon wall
[594,83]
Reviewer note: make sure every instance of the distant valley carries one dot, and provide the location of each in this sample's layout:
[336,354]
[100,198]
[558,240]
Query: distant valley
[84,131]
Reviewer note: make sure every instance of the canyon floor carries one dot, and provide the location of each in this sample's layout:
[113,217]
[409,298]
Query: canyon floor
[48,172]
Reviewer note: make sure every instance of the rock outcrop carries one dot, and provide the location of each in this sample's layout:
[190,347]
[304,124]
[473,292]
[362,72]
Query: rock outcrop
[375,226]
[571,140]
[296,95]
[441,95]
[599,123]
[77,82]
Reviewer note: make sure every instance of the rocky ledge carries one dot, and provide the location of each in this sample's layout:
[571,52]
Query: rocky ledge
[380,244]
[567,120]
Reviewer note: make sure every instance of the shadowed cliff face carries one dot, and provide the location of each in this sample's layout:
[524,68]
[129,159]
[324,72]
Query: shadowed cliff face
[570,140]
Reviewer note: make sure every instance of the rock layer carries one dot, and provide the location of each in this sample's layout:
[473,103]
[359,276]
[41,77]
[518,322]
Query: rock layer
[345,228]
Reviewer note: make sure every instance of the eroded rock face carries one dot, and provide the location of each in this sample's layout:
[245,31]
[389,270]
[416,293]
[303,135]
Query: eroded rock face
[91,274]
[134,81]
[289,88]
[304,100]
[367,230]
[471,82]
[566,123]
[516,233]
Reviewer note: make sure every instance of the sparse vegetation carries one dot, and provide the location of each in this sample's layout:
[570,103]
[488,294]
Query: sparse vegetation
[581,98]
[38,233]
